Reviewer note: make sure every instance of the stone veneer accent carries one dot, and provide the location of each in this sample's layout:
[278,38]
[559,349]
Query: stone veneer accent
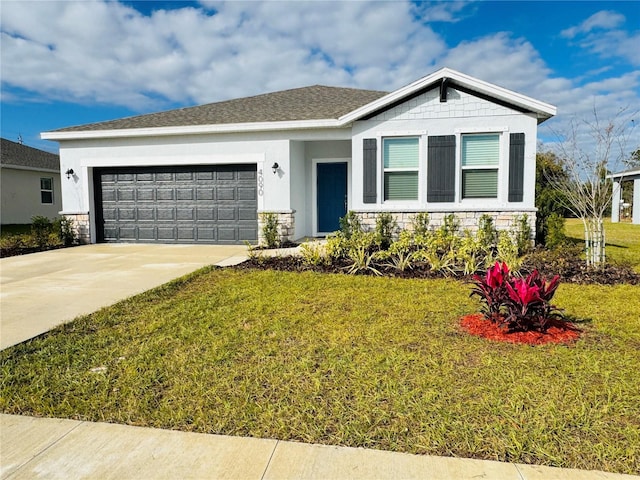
[286,225]
[80,226]
[503,220]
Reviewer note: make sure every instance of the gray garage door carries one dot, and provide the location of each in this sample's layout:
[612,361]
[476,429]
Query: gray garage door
[203,204]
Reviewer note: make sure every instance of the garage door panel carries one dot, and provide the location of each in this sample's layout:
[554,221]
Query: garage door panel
[206,234]
[184,194]
[144,177]
[125,194]
[165,194]
[204,194]
[226,214]
[225,193]
[201,204]
[146,234]
[247,234]
[127,233]
[203,214]
[145,214]
[185,214]
[245,193]
[247,214]
[126,214]
[145,195]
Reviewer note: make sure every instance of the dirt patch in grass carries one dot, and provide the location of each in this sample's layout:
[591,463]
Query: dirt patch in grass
[476,324]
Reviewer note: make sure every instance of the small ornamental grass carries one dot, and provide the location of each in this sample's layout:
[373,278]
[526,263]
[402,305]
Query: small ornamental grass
[518,304]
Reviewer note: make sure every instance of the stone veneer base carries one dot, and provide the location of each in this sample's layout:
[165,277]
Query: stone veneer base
[502,220]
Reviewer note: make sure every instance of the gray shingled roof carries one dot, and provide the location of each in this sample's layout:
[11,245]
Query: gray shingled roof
[308,103]
[13,153]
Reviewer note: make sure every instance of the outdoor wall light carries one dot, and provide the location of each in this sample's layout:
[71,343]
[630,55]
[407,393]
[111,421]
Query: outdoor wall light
[275,168]
[69,172]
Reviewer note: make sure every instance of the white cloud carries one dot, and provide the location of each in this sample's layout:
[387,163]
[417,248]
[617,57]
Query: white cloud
[604,19]
[600,34]
[108,53]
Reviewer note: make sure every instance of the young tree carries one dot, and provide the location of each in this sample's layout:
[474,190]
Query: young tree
[590,150]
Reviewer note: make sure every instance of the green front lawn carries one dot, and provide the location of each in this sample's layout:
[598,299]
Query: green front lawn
[344,360]
[623,240]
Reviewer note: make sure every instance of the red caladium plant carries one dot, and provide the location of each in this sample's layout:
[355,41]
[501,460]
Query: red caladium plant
[519,304]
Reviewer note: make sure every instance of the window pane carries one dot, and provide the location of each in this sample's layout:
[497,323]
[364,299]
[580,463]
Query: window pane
[401,153]
[480,183]
[480,150]
[45,184]
[46,197]
[401,186]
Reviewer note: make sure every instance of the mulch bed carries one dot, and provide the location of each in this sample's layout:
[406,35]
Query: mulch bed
[561,332]
[571,271]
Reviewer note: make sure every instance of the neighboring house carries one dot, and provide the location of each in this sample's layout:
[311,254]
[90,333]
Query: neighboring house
[447,143]
[30,183]
[620,179]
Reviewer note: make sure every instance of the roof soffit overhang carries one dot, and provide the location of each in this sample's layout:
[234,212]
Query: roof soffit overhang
[196,130]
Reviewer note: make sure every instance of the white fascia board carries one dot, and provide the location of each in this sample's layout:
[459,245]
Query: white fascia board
[30,169]
[543,110]
[626,173]
[193,130]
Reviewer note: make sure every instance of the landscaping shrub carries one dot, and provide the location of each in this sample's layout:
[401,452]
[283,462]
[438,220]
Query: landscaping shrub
[516,303]
[386,226]
[41,229]
[555,231]
[63,227]
[350,224]
[270,229]
[522,234]
[420,223]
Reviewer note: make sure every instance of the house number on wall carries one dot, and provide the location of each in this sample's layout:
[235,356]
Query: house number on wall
[260,183]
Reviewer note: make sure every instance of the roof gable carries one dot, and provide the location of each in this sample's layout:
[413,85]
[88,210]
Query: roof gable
[19,155]
[447,78]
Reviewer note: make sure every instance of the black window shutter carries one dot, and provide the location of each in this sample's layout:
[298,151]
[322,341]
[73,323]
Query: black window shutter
[516,167]
[441,169]
[370,170]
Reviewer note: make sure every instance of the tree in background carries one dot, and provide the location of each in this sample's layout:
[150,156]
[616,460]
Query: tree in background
[549,200]
[589,151]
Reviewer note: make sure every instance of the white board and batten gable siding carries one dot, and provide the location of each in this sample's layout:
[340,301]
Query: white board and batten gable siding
[426,116]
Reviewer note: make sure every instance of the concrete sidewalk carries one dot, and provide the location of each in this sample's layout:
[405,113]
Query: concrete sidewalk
[69,449]
[42,290]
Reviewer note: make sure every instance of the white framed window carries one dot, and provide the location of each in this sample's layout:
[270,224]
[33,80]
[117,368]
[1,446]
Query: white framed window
[480,158]
[401,162]
[46,190]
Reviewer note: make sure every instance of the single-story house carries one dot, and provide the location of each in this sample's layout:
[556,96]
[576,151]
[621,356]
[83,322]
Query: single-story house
[627,177]
[30,183]
[446,143]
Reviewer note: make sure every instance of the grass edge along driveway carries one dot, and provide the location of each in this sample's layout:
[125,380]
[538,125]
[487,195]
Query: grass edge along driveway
[342,360]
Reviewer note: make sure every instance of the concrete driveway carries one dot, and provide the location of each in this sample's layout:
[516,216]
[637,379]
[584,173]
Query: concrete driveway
[42,290]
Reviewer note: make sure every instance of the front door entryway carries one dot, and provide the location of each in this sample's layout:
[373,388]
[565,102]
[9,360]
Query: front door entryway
[331,195]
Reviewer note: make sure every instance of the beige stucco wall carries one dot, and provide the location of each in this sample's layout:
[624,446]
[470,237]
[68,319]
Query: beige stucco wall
[20,195]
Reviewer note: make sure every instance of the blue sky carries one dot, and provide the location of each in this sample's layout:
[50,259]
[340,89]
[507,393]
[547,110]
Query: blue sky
[74,62]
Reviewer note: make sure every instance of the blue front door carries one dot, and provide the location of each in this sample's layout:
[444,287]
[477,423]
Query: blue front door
[332,195]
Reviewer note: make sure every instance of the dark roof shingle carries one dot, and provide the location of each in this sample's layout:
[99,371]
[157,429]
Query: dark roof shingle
[13,153]
[308,103]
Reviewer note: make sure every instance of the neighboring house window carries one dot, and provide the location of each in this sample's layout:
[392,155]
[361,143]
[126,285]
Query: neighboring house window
[401,159]
[480,159]
[46,190]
